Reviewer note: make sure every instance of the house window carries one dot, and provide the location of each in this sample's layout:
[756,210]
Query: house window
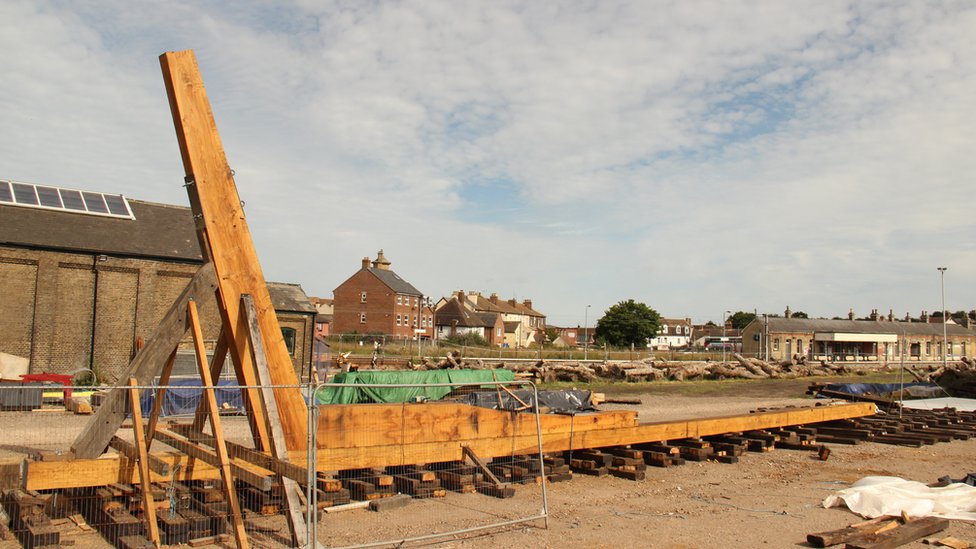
[398,320]
[362,298]
[362,317]
[775,343]
[399,299]
[928,347]
[498,332]
[289,335]
[687,330]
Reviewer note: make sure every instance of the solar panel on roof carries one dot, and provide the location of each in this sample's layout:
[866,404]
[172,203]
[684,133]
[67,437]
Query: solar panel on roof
[70,200]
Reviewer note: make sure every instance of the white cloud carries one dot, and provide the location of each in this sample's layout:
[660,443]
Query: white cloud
[697,156]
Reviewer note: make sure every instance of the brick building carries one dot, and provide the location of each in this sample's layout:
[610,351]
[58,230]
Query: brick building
[82,283]
[375,300]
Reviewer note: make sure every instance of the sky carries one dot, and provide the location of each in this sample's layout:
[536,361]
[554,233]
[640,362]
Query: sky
[696,156]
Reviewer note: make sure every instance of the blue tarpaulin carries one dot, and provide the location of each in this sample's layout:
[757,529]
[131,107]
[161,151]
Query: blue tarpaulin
[183,395]
[916,388]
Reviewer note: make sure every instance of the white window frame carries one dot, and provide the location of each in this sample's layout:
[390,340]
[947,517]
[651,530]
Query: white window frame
[362,317]
[362,297]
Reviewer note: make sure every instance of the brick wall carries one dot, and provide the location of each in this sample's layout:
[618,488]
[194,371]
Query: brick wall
[348,306]
[50,307]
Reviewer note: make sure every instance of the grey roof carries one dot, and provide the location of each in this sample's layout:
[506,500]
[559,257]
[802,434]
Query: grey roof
[394,281]
[158,231]
[779,324]
[452,312]
[290,297]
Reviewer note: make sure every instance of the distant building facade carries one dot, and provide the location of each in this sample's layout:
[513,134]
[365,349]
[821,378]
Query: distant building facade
[376,300]
[856,340]
[523,326]
[82,287]
[672,333]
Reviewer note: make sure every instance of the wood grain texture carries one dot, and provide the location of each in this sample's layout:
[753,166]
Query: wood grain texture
[226,239]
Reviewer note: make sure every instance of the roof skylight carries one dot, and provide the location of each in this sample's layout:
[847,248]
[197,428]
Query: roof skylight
[68,200]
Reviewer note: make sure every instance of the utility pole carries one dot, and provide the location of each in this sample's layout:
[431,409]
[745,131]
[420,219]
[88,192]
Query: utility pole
[586,332]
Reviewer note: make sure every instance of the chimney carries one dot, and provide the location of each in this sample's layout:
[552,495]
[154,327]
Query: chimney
[788,313]
[381,262]
[462,299]
[527,303]
[924,317]
[891,315]
[512,302]
[494,298]
[365,262]
[874,315]
[908,317]
[850,314]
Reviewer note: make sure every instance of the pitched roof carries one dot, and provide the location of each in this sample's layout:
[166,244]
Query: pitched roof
[394,282]
[452,312]
[289,297]
[780,324]
[158,231]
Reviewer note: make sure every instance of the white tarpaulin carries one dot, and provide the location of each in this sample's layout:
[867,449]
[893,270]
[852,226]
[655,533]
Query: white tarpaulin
[873,497]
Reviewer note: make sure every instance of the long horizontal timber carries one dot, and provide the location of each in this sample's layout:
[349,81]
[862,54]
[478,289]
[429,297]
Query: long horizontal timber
[434,432]
[489,433]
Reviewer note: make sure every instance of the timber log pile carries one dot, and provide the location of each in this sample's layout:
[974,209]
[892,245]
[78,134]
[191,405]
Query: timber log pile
[958,379]
[653,369]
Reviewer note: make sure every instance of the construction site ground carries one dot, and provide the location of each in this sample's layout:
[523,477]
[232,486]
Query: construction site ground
[770,499]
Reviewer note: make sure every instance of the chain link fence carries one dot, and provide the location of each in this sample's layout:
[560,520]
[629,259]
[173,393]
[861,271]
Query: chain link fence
[51,497]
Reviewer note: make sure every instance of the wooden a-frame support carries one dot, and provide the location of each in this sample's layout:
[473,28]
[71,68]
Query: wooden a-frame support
[249,329]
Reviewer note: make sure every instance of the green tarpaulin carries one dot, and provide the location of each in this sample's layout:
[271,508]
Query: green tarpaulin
[363,394]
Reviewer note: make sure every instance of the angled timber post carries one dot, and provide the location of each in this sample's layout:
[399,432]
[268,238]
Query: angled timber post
[226,240]
[98,432]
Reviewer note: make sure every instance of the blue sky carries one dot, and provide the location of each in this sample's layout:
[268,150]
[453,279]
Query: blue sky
[696,156]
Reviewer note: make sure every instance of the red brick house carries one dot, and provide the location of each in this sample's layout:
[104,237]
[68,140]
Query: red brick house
[375,300]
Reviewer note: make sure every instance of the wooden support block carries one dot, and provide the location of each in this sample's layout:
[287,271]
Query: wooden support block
[560,477]
[630,474]
[491,489]
[199,524]
[726,459]
[78,406]
[328,484]
[133,542]
[390,503]
[175,529]
[359,489]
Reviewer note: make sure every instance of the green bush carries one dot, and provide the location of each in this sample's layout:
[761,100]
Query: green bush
[466,340]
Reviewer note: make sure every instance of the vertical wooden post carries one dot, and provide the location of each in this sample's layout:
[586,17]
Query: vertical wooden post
[158,401]
[278,449]
[144,477]
[216,367]
[240,535]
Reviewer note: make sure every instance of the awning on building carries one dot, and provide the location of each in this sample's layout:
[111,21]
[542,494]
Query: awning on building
[855,338]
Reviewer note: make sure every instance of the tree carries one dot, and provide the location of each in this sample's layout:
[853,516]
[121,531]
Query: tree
[551,335]
[627,323]
[741,319]
[800,314]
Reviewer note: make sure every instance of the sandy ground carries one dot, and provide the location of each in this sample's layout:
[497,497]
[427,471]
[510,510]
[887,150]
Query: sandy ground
[766,500]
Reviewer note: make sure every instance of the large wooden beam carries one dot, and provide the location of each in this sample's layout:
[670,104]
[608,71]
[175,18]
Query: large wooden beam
[97,433]
[493,438]
[226,239]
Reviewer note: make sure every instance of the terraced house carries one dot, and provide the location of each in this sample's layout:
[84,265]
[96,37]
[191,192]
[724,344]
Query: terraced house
[523,325]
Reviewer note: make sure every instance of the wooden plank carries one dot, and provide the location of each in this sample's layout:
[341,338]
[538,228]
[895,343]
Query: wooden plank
[97,433]
[250,455]
[906,533]
[158,399]
[252,475]
[225,235]
[469,453]
[125,447]
[240,536]
[833,537]
[149,508]
[216,367]
[279,449]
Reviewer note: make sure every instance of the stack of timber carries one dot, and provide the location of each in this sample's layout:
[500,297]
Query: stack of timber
[907,427]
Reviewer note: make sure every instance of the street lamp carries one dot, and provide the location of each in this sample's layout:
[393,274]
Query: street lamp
[586,333]
[725,337]
[945,339]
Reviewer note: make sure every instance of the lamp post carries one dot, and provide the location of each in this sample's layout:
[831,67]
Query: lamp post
[586,332]
[945,339]
[725,338]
